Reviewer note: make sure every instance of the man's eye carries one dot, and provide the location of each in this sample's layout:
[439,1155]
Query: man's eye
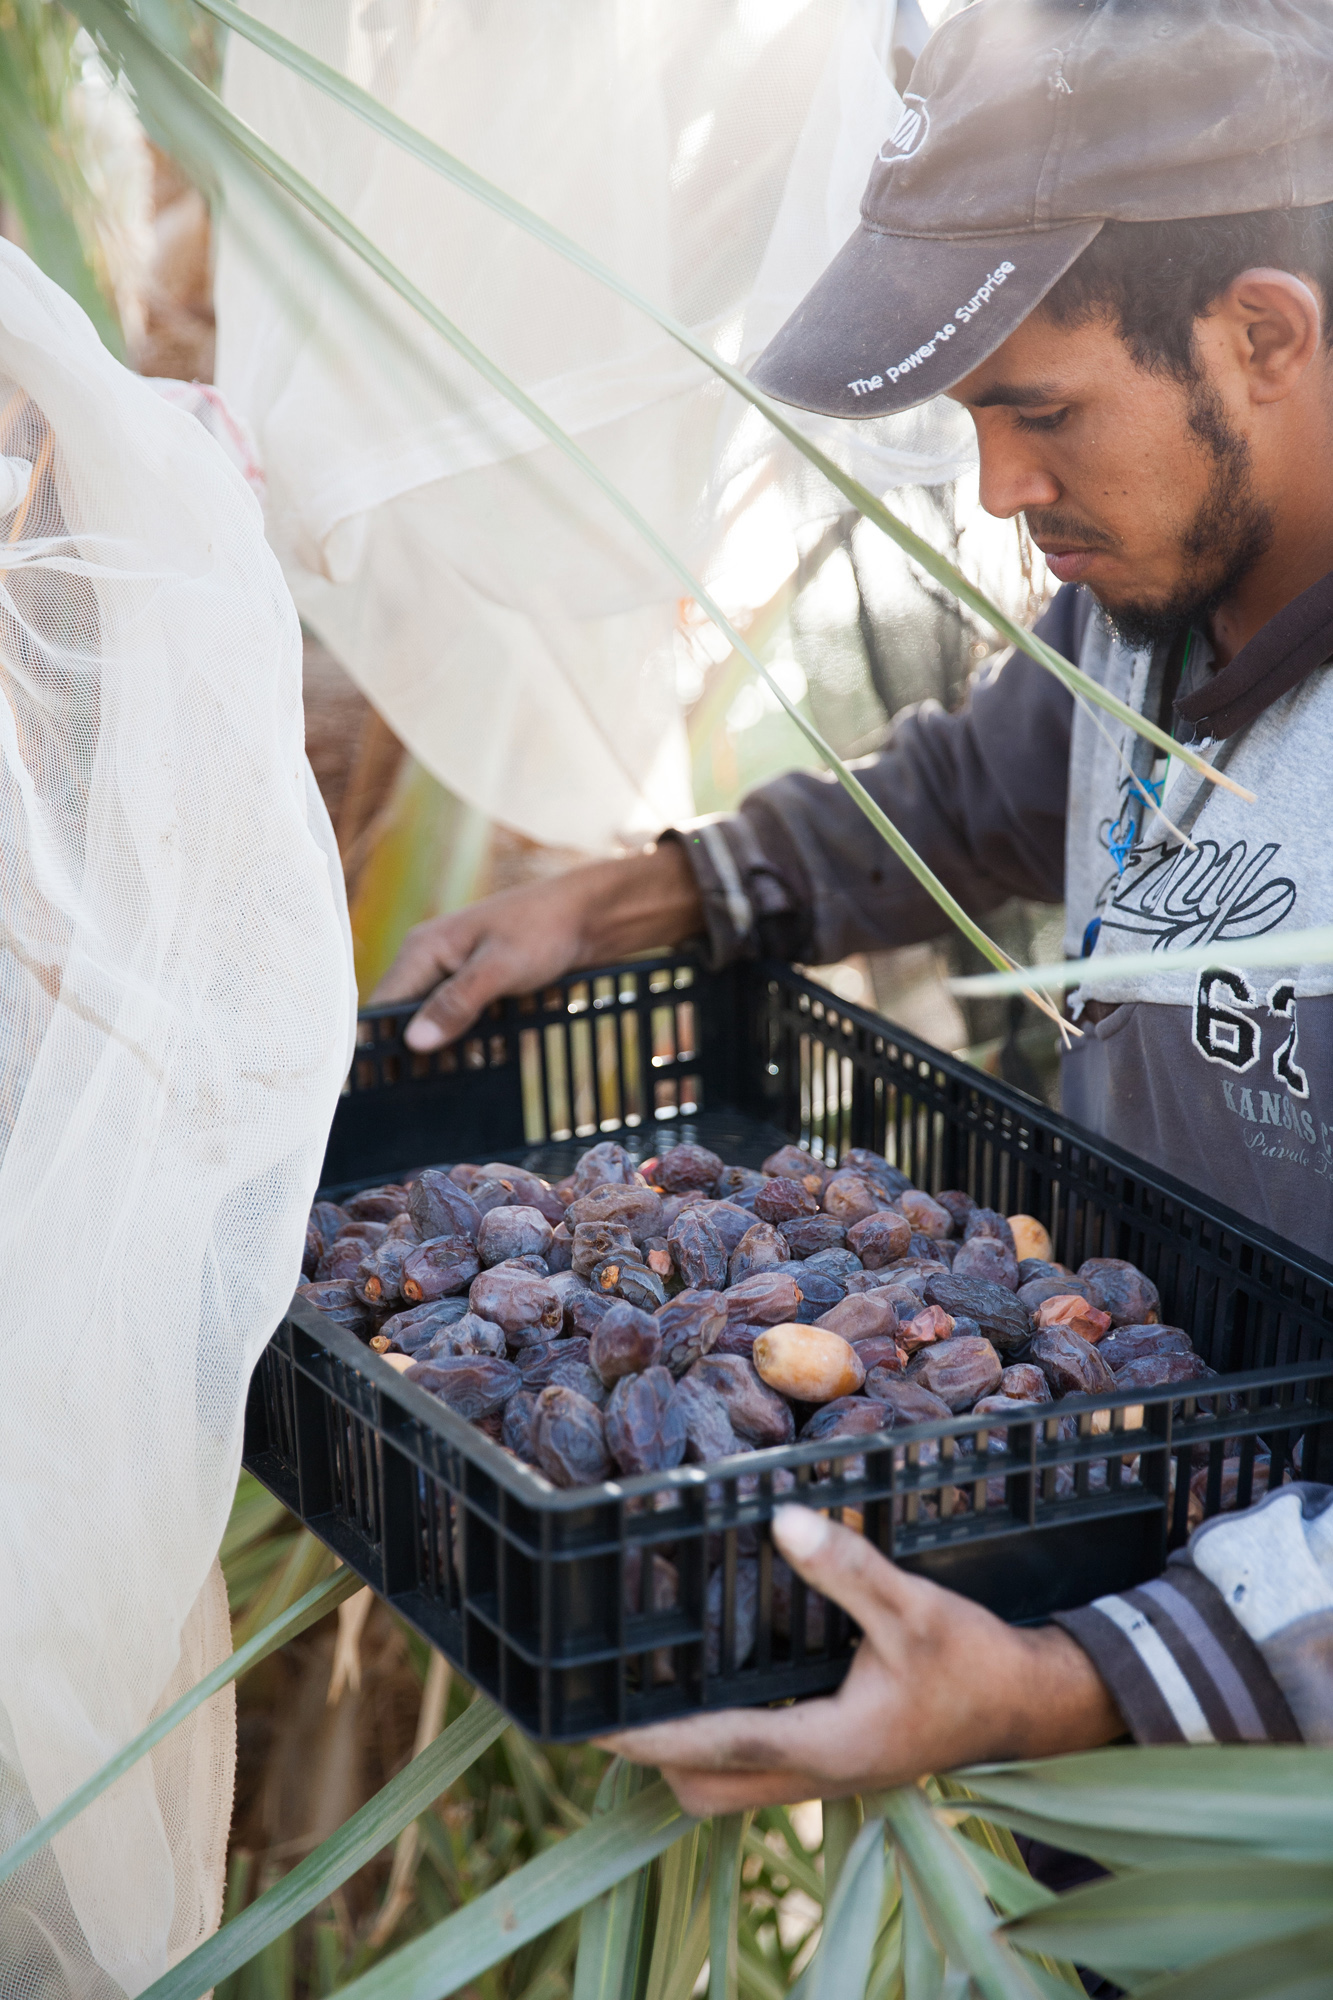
[1051,423]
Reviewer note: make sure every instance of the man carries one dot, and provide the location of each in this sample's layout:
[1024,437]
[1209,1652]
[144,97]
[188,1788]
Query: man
[1107,230]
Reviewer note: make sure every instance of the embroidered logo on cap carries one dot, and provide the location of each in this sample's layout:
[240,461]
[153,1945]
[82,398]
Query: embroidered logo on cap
[909,134]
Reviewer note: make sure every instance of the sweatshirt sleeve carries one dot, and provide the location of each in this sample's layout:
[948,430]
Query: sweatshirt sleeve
[798,872]
[1233,1643]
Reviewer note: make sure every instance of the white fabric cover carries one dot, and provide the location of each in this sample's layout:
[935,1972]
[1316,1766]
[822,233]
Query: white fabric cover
[507,623]
[176,1013]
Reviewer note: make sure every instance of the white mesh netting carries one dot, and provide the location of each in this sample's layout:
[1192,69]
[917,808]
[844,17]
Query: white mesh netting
[507,623]
[176,1013]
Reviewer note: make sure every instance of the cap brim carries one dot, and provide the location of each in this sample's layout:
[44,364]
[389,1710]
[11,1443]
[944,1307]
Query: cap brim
[895,320]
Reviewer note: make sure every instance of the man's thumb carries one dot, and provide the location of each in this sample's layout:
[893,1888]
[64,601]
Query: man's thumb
[839,1564]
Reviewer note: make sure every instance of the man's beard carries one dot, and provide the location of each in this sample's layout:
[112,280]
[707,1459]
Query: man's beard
[1230,532]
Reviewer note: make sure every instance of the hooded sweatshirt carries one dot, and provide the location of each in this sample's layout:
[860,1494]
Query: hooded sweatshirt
[1222,1077]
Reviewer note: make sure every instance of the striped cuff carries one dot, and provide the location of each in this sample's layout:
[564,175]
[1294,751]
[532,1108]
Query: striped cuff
[1180,1668]
[751,907]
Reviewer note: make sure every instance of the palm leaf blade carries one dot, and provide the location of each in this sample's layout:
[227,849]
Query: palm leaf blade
[357,1841]
[852,1919]
[528,1903]
[1178,1917]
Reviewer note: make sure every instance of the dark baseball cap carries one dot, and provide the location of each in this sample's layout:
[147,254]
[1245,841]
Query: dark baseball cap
[1027,125]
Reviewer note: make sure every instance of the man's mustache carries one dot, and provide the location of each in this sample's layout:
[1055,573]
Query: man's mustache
[1065,532]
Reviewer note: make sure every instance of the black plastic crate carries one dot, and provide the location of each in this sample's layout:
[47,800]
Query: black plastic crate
[616,1604]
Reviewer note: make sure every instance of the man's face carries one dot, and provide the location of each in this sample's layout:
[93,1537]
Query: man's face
[1133,483]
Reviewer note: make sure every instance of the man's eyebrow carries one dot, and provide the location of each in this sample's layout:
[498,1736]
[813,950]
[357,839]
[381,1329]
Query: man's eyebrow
[1012,396]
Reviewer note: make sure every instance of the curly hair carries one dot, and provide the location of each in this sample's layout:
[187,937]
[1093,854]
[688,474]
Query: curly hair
[1156,279]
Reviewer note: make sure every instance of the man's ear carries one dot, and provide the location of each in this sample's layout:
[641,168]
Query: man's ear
[1268,325]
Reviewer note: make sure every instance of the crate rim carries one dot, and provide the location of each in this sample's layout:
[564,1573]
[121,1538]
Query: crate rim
[531,1487]
[1294,1256]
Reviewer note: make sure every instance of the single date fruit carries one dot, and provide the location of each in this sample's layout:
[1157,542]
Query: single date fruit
[520,1414]
[626,1342]
[689,1326]
[880,1239]
[436,1269]
[626,1278]
[910,1402]
[877,1170]
[569,1438]
[439,1207]
[516,1298]
[1070,1364]
[472,1386]
[924,1216]
[698,1250]
[708,1432]
[808,1363]
[759,1415]
[645,1428]
[380,1277]
[924,1329]
[783,1200]
[959,1205]
[513,1232]
[850,1416]
[339,1300]
[849,1198]
[1030,1238]
[1025,1383]
[987,1258]
[379,1204]
[1127,1343]
[685,1168]
[1121,1290]
[766,1298]
[958,1371]
[1153,1371]
[811,1235]
[762,1248]
[1006,1323]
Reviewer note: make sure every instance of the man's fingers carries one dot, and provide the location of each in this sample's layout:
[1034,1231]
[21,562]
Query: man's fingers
[702,1794]
[427,953]
[453,1007]
[845,1567]
[813,1736]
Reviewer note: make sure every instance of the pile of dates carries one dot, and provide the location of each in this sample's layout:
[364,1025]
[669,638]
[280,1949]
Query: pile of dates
[627,1319]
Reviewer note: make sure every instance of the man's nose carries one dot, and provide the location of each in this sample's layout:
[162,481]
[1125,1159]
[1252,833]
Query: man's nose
[1013,481]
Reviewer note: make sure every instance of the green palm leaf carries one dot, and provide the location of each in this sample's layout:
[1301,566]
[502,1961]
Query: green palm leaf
[612,1933]
[1136,1923]
[842,1964]
[1293,1969]
[958,1914]
[677,1871]
[357,1841]
[728,1837]
[528,1903]
[1265,1798]
[39,173]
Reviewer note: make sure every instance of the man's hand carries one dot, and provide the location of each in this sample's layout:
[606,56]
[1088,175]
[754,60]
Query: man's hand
[936,1683]
[523,938]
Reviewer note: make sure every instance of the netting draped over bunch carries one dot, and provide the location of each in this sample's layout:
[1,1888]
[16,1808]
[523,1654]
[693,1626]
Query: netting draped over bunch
[508,623]
[175,1021]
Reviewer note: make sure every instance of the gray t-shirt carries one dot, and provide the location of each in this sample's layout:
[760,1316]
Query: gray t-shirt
[1224,1078]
